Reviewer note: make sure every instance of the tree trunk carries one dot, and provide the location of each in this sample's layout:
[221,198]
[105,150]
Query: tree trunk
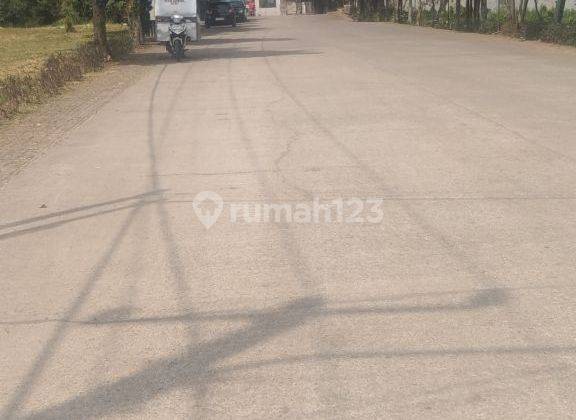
[399,7]
[410,12]
[513,19]
[69,15]
[442,12]
[458,13]
[484,12]
[374,9]
[134,21]
[523,10]
[468,13]
[442,6]
[537,10]
[381,10]
[559,15]
[476,12]
[99,22]
[420,9]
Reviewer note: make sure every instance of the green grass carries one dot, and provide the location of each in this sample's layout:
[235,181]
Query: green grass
[24,49]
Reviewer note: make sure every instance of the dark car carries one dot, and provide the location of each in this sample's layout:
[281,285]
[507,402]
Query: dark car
[241,10]
[226,11]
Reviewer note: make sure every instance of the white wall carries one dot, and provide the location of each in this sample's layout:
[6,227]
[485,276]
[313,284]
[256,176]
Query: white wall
[269,11]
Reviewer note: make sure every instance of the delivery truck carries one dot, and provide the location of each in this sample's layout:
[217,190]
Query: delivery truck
[177,23]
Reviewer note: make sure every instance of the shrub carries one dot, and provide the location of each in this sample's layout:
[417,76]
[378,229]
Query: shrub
[559,34]
[57,69]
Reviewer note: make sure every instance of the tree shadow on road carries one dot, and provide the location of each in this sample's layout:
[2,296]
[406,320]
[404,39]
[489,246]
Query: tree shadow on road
[194,367]
[198,364]
[59,218]
[157,56]
[239,40]
[210,47]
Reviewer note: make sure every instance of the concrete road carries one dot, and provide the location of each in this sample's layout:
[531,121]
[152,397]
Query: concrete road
[117,302]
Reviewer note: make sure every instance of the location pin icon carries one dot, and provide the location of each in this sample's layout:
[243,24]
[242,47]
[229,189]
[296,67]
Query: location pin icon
[208,207]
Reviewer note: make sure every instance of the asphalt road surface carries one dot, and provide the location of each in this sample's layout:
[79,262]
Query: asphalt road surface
[453,296]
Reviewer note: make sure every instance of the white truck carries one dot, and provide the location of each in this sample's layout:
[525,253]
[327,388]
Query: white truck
[177,22]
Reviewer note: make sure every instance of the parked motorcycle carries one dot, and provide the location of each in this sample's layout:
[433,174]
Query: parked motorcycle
[176,24]
[178,36]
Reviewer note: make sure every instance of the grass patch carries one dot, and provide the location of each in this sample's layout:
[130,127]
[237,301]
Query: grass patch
[33,72]
[25,49]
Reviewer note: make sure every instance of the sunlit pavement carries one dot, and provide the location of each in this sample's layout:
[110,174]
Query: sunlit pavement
[460,302]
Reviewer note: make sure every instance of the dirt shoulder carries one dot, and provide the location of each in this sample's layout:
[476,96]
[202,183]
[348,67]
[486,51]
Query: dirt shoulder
[25,137]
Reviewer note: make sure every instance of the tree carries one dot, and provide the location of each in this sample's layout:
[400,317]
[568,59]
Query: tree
[523,7]
[69,15]
[559,14]
[476,12]
[44,12]
[536,9]
[99,22]
[457,13]
[419,15]
[442,18]
[512,18]
[399,8]
[134,20]
[14,12]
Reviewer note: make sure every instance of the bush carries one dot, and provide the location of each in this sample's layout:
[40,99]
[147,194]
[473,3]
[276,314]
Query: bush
[28,12]
[536,26]
[14,12]
[559,34]
[46,12]
[532,30]
[56,70]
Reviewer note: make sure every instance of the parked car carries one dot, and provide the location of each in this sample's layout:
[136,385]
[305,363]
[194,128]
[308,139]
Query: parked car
[227,11]
[242,11]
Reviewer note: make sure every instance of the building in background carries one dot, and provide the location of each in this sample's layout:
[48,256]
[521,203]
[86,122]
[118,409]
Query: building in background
[270,7]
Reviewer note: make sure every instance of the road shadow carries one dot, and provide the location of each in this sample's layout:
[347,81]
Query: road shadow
[59,218]
[198,364]
[216,43]
[252,24]
[222,41]
[158,56]
[457,301]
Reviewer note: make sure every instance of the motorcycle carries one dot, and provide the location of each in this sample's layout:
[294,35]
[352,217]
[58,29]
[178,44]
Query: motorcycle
[177,43]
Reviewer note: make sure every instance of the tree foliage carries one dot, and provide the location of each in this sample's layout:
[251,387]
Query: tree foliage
[29,12]
[525,18]
[46,12]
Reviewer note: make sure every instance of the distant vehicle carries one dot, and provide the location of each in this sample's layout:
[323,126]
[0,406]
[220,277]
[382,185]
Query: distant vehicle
[251,8]
[227,11]
[241,10]
[176,23]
